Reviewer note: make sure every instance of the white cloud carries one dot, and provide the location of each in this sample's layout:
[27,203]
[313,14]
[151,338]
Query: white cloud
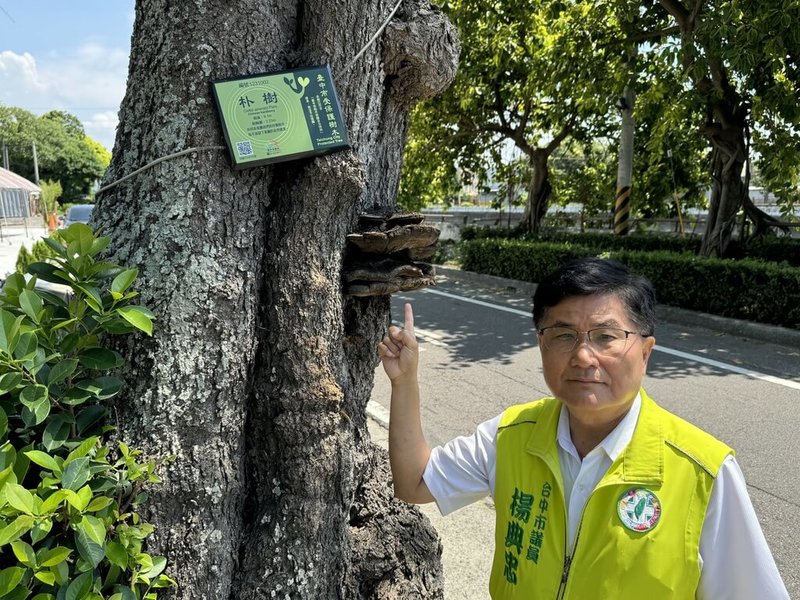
[89,83]
[102,120]
[18,75]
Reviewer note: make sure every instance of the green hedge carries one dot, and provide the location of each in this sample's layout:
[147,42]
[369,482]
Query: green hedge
[515,259]
[767,248]
[39,252]
[600,241]
[745,289]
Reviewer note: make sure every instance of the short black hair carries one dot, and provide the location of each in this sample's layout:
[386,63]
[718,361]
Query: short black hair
[593,276]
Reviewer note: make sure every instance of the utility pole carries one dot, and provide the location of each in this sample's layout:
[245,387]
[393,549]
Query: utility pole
[12,121]
[625,165]
[35,164]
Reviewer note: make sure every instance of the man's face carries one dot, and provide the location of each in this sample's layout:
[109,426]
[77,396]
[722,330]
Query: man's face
[591,384]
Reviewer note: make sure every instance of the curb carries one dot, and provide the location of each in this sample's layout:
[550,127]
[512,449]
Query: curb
[471,277]
[378,414]
[749,329]
[758,331]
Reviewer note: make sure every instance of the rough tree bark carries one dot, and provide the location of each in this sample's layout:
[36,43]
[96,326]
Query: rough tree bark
[539,186]
[725,130]
[259,372]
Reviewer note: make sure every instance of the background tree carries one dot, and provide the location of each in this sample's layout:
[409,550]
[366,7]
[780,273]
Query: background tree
[531,75]
[67,154]
[64,152]
[741,61]
[259,370]
[16,127]
[429,174]
[51,191]
[668,174]
[670,158]
[584,175]
[728,70]
[102,155]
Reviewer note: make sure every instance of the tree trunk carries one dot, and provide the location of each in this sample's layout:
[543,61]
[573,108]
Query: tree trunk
[259,372]
[726,123]
[539,189]
[727,194]
[725,130]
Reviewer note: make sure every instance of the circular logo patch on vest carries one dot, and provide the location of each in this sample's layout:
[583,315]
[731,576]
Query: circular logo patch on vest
[639,509]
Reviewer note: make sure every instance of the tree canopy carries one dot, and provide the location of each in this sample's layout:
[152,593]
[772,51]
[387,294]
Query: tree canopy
[716,84]
[739,61]
[522,80]
[63,150]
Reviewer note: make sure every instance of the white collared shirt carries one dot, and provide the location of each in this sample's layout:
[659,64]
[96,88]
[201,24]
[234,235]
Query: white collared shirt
[734,557]
[582,476]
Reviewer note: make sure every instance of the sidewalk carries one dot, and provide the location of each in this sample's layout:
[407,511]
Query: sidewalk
[14,236]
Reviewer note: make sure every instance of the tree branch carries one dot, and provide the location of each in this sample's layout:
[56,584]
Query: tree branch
[679,12]
[556,141]
[515,135]
[526,113]
[498,105]
[719,76]
[695,11]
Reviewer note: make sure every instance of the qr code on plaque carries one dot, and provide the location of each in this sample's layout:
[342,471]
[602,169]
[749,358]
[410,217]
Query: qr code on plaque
[244,148]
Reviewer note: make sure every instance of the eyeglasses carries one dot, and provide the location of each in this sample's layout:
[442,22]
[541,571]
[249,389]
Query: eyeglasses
[609,341]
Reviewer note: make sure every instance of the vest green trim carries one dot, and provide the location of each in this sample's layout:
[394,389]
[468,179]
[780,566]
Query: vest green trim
[667,459]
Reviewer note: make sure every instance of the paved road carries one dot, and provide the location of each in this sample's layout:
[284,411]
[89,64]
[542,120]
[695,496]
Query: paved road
[479,355]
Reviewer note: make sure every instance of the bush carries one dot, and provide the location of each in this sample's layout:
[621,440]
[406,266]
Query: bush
[516,259]
[599,241]
[474,232]
[769,248]
[23,259]
[51,192]
[746,289]
[69,495]
[446,252]
[40,252]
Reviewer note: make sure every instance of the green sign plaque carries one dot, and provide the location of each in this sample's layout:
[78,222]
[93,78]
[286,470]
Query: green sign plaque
[273,117]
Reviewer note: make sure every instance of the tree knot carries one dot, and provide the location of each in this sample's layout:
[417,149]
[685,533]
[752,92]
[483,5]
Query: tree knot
[420,55]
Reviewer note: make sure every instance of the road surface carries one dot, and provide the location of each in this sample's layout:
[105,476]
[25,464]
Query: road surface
[479,355]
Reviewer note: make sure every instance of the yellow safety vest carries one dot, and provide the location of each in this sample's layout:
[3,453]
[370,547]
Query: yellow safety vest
[640,530]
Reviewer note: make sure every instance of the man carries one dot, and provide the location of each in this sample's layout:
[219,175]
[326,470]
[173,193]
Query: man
[599,492]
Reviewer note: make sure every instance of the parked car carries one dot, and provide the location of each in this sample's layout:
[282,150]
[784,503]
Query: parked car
[78,213]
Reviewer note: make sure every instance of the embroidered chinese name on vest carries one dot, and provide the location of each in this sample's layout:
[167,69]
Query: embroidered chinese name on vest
[640,529]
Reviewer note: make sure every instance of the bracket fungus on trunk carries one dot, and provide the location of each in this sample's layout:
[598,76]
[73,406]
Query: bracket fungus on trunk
[386,255]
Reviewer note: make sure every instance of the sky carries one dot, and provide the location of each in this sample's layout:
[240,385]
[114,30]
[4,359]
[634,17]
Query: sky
[69,55]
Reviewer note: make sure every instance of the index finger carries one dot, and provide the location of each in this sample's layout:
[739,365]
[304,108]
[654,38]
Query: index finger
[409,319]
